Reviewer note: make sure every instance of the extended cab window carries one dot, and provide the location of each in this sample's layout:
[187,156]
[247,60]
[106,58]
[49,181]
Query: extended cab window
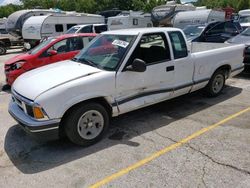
[178,44]
[152,48]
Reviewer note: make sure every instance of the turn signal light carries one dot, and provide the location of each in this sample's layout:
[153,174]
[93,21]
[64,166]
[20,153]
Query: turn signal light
[38,114]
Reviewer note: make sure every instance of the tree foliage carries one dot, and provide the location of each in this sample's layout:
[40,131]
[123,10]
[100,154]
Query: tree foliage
[93,6]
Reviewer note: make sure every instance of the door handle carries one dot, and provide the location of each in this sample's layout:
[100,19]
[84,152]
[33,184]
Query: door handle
[170,68]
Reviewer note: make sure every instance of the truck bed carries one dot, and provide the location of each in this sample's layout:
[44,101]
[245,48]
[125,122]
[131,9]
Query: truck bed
[204,46]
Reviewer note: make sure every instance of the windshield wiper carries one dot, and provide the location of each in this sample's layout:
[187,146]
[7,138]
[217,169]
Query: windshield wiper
[86,61]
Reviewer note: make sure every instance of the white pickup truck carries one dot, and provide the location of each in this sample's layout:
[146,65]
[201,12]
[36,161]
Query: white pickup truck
[118,72]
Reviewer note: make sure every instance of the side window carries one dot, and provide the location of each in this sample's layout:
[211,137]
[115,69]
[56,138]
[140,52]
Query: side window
[220,28]
[152,48]
[74,44]
[230,28]
[178,44]
[59,27]
[101,28]
[86,29]
[60,46]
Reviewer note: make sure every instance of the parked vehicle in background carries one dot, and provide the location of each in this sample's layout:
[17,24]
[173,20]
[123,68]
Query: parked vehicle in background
[17,19]
[199,17]
[52,50]
[38,27]
[89,28]
[244,18]
[129,19]
[4,45]
[219,32]
[193,31]
[120,71]
[243,38]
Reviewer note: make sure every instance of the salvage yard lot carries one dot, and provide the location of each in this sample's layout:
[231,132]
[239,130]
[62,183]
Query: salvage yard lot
[218,158]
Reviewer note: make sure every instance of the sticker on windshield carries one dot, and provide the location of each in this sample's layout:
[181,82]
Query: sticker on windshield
[120,43]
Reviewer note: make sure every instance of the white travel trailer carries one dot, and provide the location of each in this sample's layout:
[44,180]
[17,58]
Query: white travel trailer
[129,20]
[38,27]
[16,20]
[198,17]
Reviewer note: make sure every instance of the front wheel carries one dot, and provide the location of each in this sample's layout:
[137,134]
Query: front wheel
[216,84]
[86,124]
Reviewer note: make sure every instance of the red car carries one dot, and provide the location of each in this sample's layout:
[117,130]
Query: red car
[52,50]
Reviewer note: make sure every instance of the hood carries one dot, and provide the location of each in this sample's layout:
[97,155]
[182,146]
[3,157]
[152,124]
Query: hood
[240,39]
[20,57]
[35,82]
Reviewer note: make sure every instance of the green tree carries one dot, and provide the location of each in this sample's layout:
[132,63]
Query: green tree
[243,4]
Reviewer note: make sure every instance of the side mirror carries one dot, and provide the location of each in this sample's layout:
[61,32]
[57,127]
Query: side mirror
[138,65]
[52,52]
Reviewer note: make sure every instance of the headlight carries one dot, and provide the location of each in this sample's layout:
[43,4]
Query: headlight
[17,65]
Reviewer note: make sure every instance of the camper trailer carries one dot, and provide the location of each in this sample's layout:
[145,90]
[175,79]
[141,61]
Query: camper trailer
[16,20]
[198,17]
[38,27]
[129,19]
[162,15]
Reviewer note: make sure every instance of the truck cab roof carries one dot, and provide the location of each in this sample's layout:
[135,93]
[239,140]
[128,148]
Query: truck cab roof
[137,31]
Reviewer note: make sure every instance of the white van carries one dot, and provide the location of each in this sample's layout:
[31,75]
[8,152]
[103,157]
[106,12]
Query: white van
[88,28]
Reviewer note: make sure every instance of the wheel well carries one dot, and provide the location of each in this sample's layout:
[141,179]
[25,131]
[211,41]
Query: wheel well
[99,100]
[226,68]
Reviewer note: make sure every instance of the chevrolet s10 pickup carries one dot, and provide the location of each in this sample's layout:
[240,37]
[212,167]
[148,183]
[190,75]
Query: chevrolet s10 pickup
[118,72]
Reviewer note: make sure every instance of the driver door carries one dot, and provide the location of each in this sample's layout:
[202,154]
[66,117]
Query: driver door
[138,89]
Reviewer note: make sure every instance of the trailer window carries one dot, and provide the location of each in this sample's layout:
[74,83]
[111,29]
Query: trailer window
[178,44]
[135,21]
[59,27]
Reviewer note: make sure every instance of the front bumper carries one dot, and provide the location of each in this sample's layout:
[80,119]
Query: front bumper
[44,130]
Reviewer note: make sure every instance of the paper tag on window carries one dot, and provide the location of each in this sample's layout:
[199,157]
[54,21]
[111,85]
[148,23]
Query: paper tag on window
[120,43]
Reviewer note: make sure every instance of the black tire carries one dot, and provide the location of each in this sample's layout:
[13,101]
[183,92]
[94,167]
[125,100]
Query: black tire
[218,79]
[75,121]
[2,50]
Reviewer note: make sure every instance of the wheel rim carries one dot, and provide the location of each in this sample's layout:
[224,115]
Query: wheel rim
[90,124]
[218,83]
[1,50]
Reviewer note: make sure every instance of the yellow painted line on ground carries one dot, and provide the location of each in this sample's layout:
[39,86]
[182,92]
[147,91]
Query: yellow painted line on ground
[165,150]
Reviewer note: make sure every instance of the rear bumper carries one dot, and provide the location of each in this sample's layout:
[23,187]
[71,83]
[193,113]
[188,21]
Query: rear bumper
[237,71]
[43,130]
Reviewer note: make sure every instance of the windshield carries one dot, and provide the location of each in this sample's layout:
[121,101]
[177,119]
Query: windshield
[106,51]
[41,45]
[245,19]
[191,31]
[246,32]
[72,30]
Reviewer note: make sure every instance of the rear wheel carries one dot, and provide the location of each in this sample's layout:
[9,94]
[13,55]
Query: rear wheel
[216,84]
[86,125]
[2,50]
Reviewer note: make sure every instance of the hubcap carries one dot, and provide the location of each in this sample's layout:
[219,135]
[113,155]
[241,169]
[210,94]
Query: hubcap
[90,124]
[218,83]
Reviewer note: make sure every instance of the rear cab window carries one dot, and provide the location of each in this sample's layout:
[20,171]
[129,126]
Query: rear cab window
[178,44]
